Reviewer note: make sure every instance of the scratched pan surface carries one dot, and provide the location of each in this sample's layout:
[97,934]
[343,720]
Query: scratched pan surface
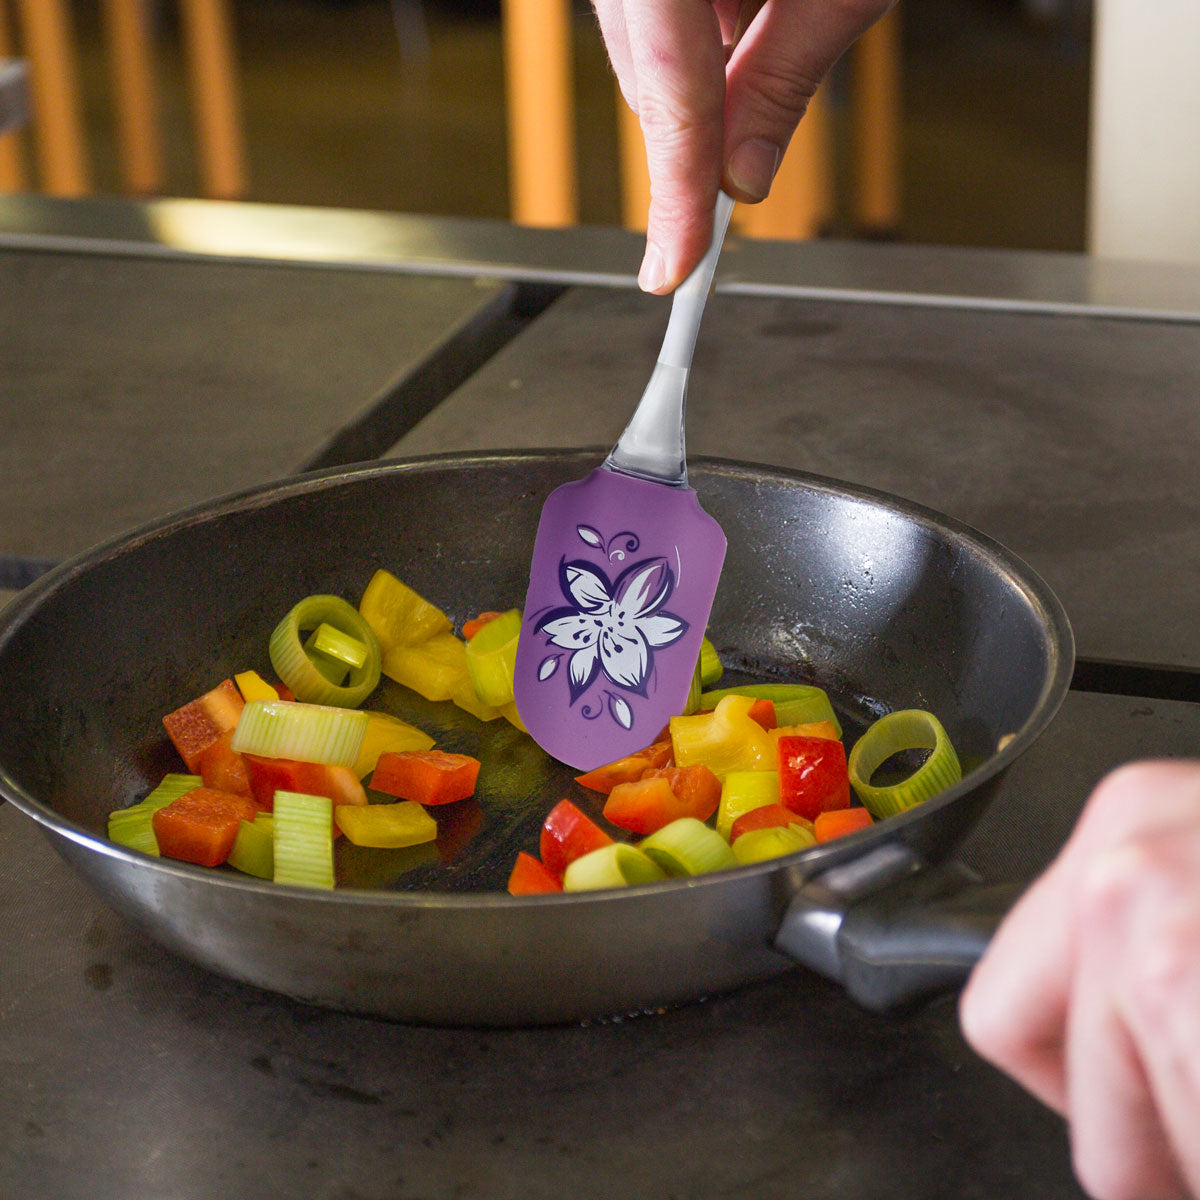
[884,604]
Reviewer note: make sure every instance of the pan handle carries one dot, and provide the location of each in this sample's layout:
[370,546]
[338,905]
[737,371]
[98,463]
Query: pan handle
[891,930]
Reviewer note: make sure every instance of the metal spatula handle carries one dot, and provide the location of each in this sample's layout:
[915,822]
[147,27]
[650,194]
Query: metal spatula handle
[652,446]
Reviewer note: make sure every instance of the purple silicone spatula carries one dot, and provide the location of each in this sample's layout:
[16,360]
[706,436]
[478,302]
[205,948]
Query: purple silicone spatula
[624,571]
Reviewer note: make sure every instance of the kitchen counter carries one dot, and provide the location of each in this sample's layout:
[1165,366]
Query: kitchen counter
[1049,416]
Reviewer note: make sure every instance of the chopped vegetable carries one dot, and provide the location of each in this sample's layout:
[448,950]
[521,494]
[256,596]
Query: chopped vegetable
[726,739]
[270,775]
[398,615]
[567,834]
[223,768]
[491,657]
[385,732]
[201,825]
[795,703]
[310,732]
[475,624]
[307,670]
[465,697]
[710,665]
[133,826]
[767,817]
[625,770]
[820,729]
[434,668]
[615,865]
[839,822]
[688,847]
[812,775]
[761,844]
[530,877]
[662,796]
[254,687]
[196,725]
[908,729]
[743,791]
[303,840]
[253,850]
[426,776]
[386,825]
[763,712]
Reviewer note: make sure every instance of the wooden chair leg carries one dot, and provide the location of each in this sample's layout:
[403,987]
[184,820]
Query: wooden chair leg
[801,199]
[12,162]
[541,111]
[54,96]
[875,105]
[208,34]
[132,74]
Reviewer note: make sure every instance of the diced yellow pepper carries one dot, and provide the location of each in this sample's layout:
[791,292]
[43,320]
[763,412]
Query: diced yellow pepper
[398,615]
[385,732]
[465,696]
[388,826]
[817,729]
[254,687]
[742,792]
[435,669]
[726,739]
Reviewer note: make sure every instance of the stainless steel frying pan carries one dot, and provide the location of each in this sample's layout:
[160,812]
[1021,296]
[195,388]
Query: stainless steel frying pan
[885,604]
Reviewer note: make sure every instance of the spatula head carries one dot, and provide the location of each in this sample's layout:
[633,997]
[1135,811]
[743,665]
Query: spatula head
[622,581]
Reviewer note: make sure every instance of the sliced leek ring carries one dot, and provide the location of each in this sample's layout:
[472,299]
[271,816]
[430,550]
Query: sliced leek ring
[908,729]
[298,671]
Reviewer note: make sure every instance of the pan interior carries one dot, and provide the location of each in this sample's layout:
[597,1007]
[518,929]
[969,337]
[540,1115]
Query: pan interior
[880,605]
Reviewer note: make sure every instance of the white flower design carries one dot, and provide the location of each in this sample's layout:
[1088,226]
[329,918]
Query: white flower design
[613,627]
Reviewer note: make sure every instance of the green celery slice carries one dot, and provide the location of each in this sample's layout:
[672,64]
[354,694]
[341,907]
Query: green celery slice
[742,792]
[134,826]
[297,669]
[309,732]
[757,845]
[333,669]
[711,669]
[492,658]
[253,850]
[907,729]
[616,865]
[332,642]
[795,703]
[688,847]
[303,840]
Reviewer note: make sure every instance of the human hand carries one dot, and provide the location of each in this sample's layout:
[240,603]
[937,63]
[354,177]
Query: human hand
[1089,995]
[709,122]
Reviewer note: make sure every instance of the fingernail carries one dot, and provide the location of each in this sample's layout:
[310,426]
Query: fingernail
[654,270]
[752,167]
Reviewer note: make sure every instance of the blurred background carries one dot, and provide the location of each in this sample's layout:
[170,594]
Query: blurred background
[411,106]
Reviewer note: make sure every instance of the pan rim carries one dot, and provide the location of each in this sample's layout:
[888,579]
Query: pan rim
[804,864]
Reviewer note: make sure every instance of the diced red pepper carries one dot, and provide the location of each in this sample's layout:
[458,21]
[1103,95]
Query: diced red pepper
[568,833]
[426,776]
[475,624]
[223,768]
[196,725]
[662,796]
[839,822]
[531,877]
[763,711]
[626,770]
[269,775]
[200,827]
[768,816]
[812,775]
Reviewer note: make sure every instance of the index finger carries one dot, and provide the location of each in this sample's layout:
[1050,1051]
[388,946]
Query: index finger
[677,59]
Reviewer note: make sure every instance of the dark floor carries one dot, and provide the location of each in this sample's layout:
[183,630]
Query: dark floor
[338,111]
